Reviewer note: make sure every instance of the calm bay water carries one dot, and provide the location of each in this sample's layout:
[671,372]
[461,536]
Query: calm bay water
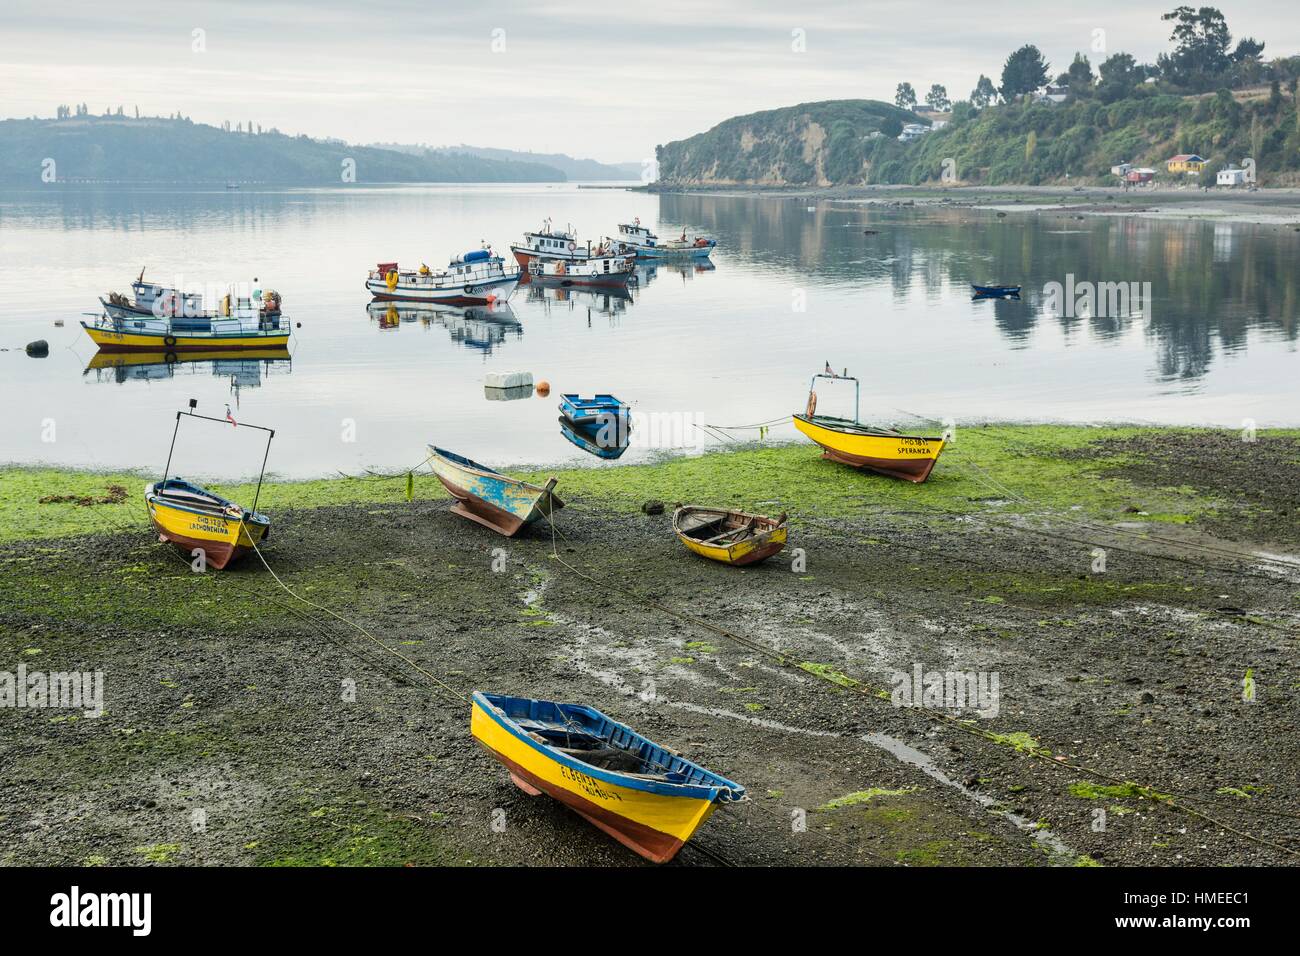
[733,343]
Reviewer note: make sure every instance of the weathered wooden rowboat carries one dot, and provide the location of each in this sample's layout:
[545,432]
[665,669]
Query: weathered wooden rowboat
[732,537]
[649,798]
[504,504]
[851,442]
[193,518]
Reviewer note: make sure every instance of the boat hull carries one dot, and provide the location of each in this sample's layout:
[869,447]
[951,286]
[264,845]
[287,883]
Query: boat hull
[120,340]
[908,457]
[223,539]
[651,824]
[496,501]
[474,293]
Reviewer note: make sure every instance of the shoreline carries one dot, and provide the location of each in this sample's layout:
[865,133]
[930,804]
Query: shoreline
[228,687]
[1267,206]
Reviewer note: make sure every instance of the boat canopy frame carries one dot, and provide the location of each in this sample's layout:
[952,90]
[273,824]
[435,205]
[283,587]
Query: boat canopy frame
[857,390]
[191,413]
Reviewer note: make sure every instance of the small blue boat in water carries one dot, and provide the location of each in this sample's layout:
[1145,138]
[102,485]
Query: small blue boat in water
[599,425]
[597,410]
[995,291]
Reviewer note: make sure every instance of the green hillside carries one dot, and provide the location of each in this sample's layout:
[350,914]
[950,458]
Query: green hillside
[1081,140]
[1207,95]
[810,144]
[158,150]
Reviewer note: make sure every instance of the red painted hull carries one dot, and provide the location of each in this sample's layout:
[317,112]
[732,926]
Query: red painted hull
[654,846]
[908,470]
[216,554]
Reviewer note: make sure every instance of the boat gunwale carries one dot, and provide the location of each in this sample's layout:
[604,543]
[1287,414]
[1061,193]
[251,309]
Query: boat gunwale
[153,496]
[846,426]
[477,468]
[722,790]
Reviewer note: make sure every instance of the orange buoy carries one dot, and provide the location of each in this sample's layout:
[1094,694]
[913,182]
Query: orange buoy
[543,388]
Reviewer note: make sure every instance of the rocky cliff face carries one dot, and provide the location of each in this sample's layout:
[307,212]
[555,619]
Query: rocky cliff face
[813,144]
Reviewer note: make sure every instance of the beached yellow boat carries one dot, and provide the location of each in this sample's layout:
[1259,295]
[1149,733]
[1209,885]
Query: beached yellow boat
[850,442]
[732,537]
[194,518]
[645,796]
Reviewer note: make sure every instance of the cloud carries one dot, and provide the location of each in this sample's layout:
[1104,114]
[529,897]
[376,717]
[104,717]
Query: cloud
[608,81]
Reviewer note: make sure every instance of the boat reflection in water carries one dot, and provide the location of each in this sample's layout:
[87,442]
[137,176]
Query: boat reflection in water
[480,327]
[607,443]
[650,269]
[609,302]
[244,369]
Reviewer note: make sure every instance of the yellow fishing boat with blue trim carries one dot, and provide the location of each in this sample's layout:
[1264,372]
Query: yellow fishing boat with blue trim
[852,442]
[193,518]
[647,797]
[197,520]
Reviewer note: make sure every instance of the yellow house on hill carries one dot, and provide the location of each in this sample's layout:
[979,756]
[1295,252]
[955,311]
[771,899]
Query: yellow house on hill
[1185,163]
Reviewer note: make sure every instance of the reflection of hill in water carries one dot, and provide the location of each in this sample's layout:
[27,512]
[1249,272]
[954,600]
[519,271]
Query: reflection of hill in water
[479,327]
[1212,284]
[246,369]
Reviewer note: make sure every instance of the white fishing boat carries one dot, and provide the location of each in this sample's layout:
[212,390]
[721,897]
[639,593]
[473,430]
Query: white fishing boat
[636,239]
[596,270]
[475,278]
[550,245]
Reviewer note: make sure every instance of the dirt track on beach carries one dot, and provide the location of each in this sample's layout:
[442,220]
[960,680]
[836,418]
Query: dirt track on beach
[228,737]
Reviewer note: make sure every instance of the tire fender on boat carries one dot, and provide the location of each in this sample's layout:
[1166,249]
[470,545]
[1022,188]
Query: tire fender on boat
[573,246]
[169,340]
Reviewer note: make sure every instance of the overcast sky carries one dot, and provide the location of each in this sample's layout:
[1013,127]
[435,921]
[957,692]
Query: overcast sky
[607,80]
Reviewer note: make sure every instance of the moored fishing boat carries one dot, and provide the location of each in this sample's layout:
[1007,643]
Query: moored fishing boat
[648,797]
[475,278]
[199,521]
[729,536]
[851,442]
[162,319]
[637,239]
[245,328]
[996,291]
[600,425]
[504,504]
[598,269]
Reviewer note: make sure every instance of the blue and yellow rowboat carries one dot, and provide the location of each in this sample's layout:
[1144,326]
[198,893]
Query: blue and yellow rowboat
[504,504]
[194,518]
[645,796]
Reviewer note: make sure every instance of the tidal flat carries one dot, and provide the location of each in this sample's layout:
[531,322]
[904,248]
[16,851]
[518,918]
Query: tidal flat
[1136,591]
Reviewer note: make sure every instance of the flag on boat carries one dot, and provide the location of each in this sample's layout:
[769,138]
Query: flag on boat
[231,418]
[829,371]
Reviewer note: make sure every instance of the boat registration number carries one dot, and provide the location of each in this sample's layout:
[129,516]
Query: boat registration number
[588,785]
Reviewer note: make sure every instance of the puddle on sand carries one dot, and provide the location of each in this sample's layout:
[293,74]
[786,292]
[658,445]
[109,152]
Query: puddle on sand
[913,757]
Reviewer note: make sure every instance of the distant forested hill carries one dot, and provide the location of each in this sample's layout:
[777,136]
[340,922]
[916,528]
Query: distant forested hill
[576,170]
[158,150]
[813,144]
